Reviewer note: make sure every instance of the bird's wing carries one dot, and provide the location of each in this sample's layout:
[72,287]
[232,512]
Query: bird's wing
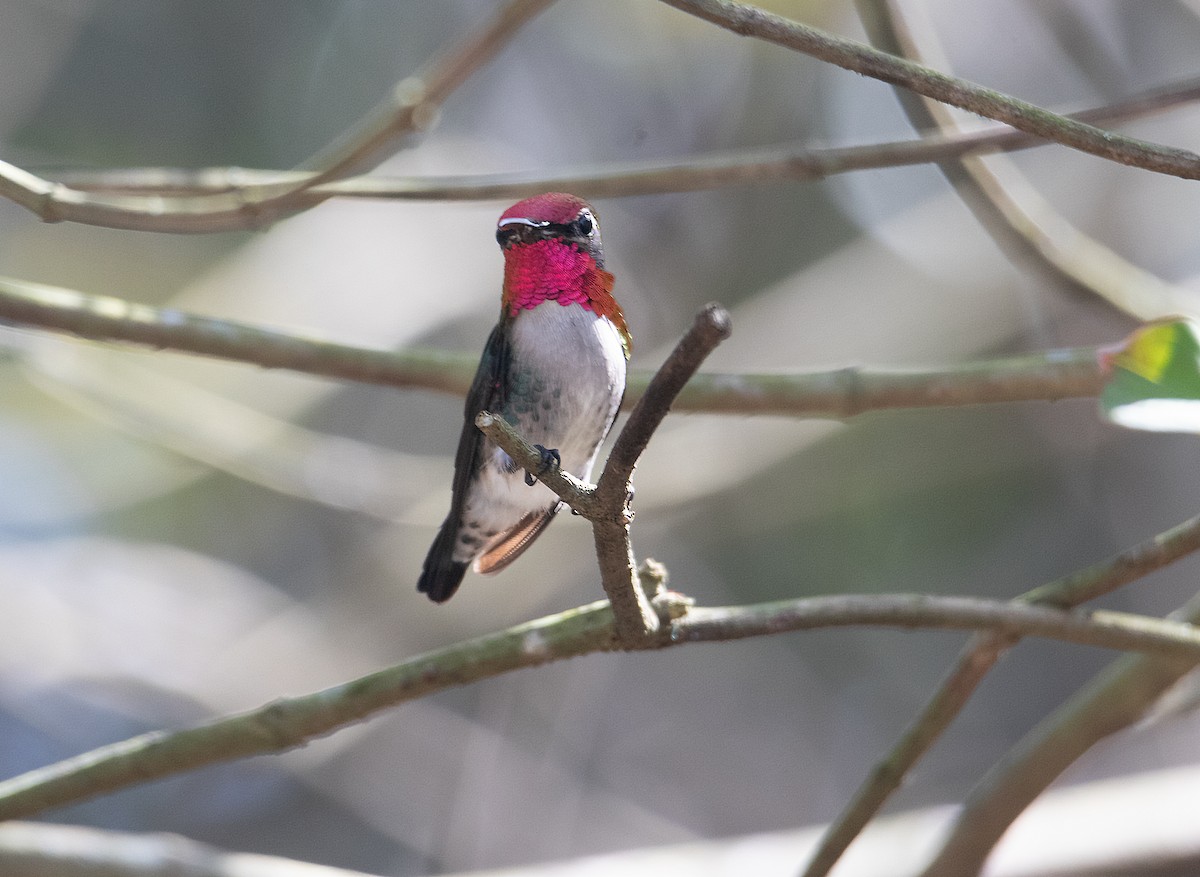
[486,394]
[511,544]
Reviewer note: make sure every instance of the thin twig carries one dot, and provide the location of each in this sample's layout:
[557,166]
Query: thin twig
[290,722]
[579,495]
[412,106]
[974,662]
[712,326]
[30,849]
[1005,202]
[70,197]
[1008,219]
[1118,697]
[859,58]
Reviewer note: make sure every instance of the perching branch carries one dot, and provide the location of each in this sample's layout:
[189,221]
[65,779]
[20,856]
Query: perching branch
[860,58]
[579,495]
[839,395]
[606,505]
[976,659]
[712,326]
[290,722]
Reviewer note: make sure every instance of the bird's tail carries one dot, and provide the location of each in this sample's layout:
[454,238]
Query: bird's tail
[442,574]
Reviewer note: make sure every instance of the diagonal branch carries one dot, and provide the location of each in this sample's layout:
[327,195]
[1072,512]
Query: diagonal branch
[287,723]
[71,197]
[32,849]
[579,495]
[976,659]
[412,106]
[1117,698]
[712,326]
[1005,202]
[859,58]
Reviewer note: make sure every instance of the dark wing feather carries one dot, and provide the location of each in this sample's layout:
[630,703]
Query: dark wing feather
[441,574]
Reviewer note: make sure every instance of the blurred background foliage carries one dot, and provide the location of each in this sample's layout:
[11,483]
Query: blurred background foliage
[181,538]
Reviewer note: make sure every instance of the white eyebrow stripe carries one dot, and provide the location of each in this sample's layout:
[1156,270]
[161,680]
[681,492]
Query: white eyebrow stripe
[519,220]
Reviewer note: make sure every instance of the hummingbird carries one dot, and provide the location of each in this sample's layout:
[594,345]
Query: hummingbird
[553,367]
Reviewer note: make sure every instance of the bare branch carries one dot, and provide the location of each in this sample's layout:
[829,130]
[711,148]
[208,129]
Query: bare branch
[103,318]
[579,495]
[976,659]
[411,107]
[70,197]
[712,326]
[1118,630]
[1004,201]
[859,58]
[606,505]
[635,615]
[845,393]
[290,722]
[840,394]
[1115,699]
[36,850]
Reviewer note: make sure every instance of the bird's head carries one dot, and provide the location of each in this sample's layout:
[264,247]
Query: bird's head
[552,252]
[554,216]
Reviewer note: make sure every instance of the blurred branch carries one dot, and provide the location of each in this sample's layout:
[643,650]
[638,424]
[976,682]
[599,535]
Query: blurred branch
[859,58]
[414,103]
[290,722]
[839,394]
[607,505]
[35,850]
[159,189]
[848,392]
[213,429]
[102,318]
[1004,200]
[976,659]
[412,106]
[1116,698]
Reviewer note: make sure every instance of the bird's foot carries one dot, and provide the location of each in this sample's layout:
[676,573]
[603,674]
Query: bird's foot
[550,459]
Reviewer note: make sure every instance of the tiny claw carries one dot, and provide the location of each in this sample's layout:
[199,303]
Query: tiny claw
[550,458]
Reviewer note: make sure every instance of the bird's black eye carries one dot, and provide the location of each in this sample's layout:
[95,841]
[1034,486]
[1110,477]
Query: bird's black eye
[505,235]
[584,226]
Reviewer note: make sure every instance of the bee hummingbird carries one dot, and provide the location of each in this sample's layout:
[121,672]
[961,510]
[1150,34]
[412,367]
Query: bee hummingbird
[553,367]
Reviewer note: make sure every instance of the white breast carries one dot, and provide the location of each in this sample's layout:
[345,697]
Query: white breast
[579,358]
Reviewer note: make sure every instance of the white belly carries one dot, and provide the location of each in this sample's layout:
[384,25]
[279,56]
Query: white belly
[570,365]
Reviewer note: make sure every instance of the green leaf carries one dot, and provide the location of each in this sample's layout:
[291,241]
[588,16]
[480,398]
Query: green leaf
[1154,378]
